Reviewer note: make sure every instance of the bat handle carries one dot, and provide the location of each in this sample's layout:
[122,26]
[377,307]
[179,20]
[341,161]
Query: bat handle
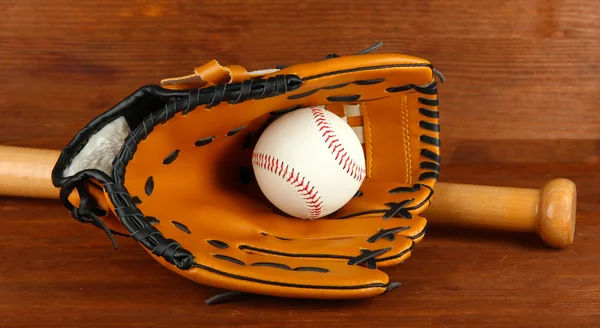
[550,211]
[26,172]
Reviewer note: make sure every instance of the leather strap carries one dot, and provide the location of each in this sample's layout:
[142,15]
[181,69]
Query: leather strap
[212,73]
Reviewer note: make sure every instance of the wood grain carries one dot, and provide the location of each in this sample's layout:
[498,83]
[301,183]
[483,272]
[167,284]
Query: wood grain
[56,272]
[521,71]
[27,172]
[522,81]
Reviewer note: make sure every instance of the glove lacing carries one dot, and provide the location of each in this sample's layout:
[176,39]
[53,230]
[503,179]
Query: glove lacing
[88,210]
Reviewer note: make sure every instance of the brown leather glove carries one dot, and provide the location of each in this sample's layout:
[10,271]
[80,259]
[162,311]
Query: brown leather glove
[170,166]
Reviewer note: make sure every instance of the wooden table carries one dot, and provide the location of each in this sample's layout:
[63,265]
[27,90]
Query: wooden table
[57,272]
[519,107]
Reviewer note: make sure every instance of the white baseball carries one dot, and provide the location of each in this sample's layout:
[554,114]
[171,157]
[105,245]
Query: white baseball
[309,163]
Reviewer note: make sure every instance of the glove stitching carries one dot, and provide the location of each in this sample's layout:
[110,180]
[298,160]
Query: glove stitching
[406,133]
[369,145]
[337,86]
[171,157]
[389,234]
[429,127]
[252,249]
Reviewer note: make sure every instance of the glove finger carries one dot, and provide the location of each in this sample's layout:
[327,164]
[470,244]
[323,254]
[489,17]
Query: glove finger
[232,268]
[364,226]
[397,248]
[388,199]
[238,226]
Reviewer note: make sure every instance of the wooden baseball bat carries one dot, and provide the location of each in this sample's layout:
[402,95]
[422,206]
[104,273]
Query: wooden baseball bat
[550,211]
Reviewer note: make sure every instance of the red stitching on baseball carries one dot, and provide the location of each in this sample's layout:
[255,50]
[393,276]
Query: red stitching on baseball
[349,165]
[338,155]
[311,197]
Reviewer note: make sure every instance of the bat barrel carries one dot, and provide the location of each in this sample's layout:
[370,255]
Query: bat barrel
[550,211]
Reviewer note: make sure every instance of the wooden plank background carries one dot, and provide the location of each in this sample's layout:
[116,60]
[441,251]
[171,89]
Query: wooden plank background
[525,73]
[520,106]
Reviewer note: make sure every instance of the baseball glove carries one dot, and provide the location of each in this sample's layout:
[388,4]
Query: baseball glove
[171,167]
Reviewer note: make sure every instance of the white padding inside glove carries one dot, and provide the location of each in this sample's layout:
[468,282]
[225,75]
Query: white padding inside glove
[101,149]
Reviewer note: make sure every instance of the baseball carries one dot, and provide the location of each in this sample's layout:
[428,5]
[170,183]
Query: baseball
[309,163]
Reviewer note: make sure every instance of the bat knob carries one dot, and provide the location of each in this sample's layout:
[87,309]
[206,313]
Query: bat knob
[557,212]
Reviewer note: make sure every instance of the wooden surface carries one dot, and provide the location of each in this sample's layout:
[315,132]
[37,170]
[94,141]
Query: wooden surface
[519,107]
[56,272]
[522,72]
